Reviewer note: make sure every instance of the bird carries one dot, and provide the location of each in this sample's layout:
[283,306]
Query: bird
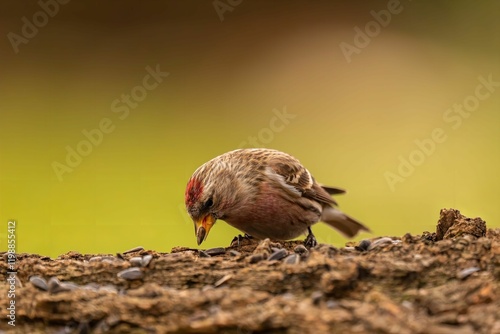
[264,193]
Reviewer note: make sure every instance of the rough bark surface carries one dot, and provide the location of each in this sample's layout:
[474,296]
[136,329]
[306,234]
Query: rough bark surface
[442,282]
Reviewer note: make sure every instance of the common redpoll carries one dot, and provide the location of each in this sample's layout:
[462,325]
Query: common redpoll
[264,193]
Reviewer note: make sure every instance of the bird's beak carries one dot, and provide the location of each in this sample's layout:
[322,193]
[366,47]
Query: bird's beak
[202,227]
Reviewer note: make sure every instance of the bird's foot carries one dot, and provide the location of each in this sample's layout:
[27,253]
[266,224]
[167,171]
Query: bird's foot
[310,240]
[237,241]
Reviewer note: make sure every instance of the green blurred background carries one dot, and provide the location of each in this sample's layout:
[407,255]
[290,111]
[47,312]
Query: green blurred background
[228,79]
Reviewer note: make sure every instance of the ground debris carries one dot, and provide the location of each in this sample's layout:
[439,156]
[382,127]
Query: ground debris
[452,224]
[442,282]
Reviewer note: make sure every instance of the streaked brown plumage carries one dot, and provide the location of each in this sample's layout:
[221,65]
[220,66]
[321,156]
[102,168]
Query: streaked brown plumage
[264,193]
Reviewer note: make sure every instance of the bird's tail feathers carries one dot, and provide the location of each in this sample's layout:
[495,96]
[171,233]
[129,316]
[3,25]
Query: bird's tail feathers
[333,190]
[346,225]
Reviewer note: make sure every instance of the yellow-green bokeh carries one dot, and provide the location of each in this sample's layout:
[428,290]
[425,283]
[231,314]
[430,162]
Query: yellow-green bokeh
[353,120]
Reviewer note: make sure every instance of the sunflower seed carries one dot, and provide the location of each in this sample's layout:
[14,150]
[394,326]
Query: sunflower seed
[292,259]
[380,242]
[53,283]
[39,282]
[255,258]
[146,259]
[95,259]
[277,255]
[363,245]
[136,261]
[216,251]
[300,249]
[56,286]
[131,274]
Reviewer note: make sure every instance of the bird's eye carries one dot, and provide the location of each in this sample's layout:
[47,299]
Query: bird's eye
[209,203]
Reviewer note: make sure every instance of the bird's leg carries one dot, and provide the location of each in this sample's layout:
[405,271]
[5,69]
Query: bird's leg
[310,239]
[240,238]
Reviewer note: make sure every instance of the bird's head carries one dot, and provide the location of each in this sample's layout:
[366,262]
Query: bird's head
[203,206]
[217,190]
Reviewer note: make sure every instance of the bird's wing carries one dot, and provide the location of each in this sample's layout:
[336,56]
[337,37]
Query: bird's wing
[292,175]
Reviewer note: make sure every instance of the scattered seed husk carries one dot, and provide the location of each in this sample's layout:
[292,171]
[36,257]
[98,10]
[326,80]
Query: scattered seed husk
[462,274]
[462,243]
[91,286]
[108,288]
[131,274]
[223,280]
[95,259]
[232,252]
[106,324]
[68,286]
[83,328]
[39,282]
[316,297]
[332,304]
[264,248]
[203,254]
[207,288]
[278,255]
[18,282]
[216,251]
[135,249]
